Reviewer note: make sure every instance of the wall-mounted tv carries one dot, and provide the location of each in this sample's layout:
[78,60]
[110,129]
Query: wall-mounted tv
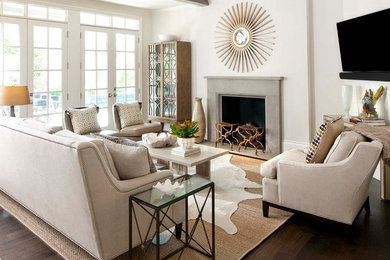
[365,43]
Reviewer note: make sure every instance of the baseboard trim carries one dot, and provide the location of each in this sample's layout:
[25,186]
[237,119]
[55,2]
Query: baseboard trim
[288,145]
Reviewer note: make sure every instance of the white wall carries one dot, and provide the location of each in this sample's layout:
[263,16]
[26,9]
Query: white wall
[289,59]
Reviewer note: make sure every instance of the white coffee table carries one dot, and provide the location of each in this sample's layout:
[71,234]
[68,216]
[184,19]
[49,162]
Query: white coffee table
[180,165]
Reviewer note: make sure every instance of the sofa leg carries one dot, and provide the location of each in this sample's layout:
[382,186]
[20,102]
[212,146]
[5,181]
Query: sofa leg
[178,230]
[367,206]
[265,209]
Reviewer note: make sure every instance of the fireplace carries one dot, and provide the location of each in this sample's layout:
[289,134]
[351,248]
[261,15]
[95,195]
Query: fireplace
[243,110]
[229,97]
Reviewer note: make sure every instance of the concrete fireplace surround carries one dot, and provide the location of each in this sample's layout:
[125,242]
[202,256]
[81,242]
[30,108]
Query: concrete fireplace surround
[259,87]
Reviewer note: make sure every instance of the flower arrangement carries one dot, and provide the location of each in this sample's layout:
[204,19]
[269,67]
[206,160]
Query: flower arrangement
[369,101]
[187,129]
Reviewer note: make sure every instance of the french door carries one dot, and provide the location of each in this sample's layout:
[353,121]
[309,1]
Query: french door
[13,50]
[47,75]
[109,69]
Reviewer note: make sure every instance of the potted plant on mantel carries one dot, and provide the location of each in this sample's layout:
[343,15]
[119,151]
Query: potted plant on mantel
[185,133]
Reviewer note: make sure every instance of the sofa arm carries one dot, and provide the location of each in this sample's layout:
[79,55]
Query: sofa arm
[268,169]
[138,184]
[335,191]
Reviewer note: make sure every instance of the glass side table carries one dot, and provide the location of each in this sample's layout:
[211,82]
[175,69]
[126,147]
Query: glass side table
[160,205]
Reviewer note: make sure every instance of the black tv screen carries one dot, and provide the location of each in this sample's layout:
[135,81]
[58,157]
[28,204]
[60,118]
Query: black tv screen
[365,42]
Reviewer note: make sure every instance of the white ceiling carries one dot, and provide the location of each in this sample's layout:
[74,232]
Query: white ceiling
[149,4]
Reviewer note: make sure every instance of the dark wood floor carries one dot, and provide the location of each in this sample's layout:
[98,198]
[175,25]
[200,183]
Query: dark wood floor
[299,238]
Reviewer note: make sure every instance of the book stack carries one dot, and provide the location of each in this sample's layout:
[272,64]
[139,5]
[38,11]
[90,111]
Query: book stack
[368,121]
[179,151]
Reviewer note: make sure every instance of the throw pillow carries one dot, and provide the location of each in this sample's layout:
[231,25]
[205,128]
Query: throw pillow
[130,114]
[130,161]
[84,120]
[323,140]
[99,144]
[124,141]
[343,146]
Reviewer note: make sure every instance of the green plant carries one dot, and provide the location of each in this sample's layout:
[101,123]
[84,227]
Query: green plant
[187,129]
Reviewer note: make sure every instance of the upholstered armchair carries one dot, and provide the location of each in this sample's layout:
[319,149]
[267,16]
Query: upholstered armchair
[136,130]
[335,190]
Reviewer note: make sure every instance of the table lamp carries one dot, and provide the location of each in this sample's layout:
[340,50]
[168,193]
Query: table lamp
[14,96]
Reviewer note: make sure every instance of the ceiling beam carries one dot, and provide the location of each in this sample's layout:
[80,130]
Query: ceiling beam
[196,2]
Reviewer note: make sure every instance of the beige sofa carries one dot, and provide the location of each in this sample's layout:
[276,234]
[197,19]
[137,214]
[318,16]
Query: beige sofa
[69,185]
[335,190]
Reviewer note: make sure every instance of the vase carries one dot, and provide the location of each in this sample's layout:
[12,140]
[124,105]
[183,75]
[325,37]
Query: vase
[346,94]
[186,143]
[198,116]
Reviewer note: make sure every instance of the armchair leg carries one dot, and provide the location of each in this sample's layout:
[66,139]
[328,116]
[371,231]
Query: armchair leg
[178,230]
[265,209]
[367,206]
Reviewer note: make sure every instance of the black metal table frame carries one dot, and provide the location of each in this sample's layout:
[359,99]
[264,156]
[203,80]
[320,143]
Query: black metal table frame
[159,222]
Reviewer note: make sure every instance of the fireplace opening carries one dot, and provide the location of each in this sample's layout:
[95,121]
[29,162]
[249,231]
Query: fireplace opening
[244,111]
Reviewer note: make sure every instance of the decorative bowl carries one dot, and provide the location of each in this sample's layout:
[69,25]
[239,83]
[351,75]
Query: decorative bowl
[166,37]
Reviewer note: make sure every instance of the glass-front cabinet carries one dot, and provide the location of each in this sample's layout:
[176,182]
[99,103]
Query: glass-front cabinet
[170,81]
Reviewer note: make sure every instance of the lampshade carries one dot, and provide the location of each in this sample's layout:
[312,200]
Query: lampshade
[14,95]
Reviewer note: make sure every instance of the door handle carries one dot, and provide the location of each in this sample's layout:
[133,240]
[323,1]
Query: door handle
[114,94]
[109,95]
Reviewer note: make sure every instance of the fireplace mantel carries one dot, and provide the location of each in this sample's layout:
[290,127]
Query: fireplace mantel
[268,87]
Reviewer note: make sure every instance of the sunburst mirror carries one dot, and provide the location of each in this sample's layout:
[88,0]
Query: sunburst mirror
[245,37]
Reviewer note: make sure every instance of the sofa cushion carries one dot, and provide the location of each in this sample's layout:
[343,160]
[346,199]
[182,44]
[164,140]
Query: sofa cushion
[139,130]
[343,146]
[130,161]
[118,140]
[84,120]
[34,124]
[130,114]
[269,168]
[323,140]
[99,144]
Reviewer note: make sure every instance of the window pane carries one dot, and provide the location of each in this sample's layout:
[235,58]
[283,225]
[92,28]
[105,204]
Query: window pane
[102,98]
[120,60]
[120,42]
[55,119]
[55,59]
[14,9]
[130,60]
[90,40]
[102,60]
[56,14]
[103,117]
[130,78]
[90,80]
[102,20]
[90,60]
[55,81]
[130,94]
[102,41]
[11,35]
[40,59]
[11,78]
[120,95]
[118,22]
[87,18]
[102,81]
[55,102]
[120,78]
[40,104]
[132,24]
[90,98]
[11,58]
[130,42]
[40,36]
[39,12]
[55,37]
[40,81]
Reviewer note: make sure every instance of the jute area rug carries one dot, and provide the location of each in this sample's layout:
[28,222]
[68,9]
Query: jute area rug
[252,227]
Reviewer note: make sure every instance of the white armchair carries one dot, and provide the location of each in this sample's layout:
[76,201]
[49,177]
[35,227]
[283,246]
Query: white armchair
[335,191]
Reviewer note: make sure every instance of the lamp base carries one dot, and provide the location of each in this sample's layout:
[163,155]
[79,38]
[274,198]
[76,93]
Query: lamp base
[12,111]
